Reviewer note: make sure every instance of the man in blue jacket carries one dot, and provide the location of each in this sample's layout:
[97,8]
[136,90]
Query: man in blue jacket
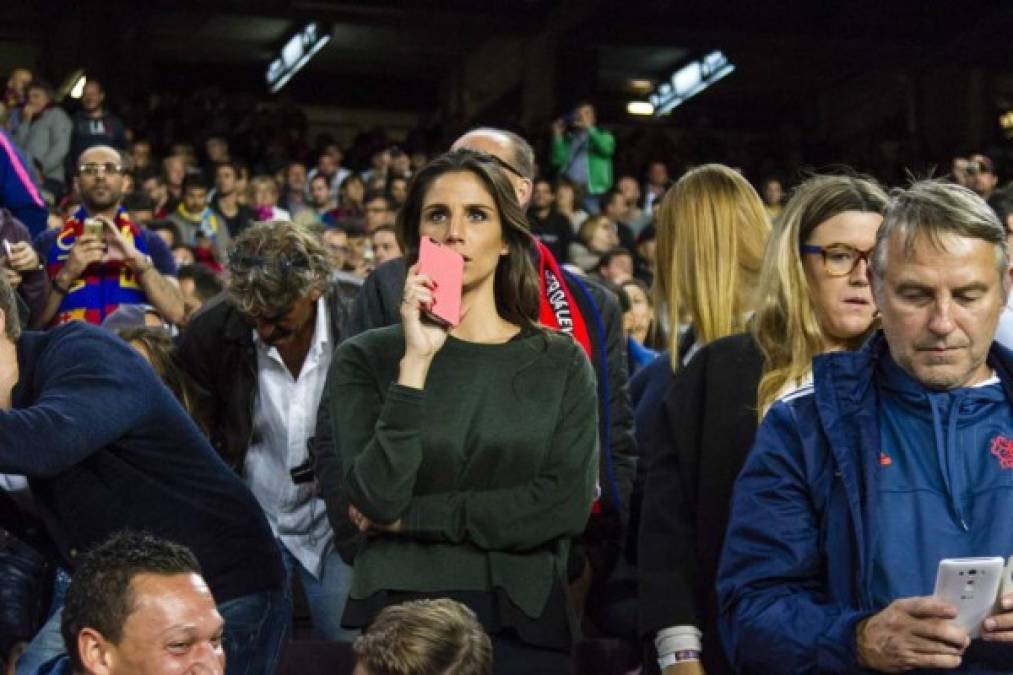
[106,447]
[901,455]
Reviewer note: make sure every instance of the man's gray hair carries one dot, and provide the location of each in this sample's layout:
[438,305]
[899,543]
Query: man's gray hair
[935,209]
[274,264]
[9,306]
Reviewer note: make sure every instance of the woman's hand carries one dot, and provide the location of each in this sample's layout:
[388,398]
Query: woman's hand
[366,526]
[423,338]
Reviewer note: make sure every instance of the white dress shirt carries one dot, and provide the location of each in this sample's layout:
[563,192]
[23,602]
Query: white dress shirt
[285,417]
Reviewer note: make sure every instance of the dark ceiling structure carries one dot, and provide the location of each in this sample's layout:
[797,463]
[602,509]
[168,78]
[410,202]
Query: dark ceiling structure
[832,71]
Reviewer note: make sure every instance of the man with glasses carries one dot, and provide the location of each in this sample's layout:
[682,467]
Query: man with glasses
[91,274]
[897,458]
[261,352]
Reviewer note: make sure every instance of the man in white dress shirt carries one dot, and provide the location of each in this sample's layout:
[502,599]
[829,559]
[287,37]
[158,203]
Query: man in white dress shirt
[262,352]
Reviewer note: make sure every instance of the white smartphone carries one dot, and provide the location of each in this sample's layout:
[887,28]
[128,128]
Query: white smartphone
[972,586]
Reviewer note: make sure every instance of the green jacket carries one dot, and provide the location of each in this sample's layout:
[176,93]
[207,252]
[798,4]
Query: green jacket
[601,145]
[490,469]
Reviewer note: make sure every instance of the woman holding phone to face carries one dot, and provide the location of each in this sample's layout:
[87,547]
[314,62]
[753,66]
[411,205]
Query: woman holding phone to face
[469,454]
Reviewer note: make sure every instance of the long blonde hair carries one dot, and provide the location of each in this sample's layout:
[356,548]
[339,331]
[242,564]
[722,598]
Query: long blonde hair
[711,232]
[785,326]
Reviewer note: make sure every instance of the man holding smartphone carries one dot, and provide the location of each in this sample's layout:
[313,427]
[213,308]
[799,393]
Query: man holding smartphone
[899,456]
[91,275]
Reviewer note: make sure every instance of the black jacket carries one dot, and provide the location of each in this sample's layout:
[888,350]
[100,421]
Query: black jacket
[218,352]
[378,304]
[706,429]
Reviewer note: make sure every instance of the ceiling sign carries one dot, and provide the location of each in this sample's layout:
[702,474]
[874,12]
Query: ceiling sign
[689,81]
[295,54]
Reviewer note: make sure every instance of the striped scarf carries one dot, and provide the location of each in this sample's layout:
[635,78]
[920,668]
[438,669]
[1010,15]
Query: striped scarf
[104,285]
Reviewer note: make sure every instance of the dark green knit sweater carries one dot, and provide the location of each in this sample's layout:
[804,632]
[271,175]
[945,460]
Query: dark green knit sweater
[491,467]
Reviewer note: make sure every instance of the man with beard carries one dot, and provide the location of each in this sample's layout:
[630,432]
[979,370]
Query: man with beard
[91,276]
[237,216]
[261,352]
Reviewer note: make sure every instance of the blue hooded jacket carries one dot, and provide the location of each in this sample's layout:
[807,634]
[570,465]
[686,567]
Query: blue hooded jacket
[796,572]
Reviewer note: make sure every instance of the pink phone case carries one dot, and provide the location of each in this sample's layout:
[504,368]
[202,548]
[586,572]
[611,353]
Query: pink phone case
[446,267]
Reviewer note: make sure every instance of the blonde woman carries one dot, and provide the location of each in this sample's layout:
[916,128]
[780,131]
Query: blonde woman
[813,296]
[711,231]
[596,237]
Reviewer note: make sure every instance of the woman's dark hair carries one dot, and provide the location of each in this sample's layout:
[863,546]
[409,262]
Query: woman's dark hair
[162,356]
[516,282]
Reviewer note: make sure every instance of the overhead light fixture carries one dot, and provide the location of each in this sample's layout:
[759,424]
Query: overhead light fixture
[640,108]
[689,81]
[78,89]
[296,53]
[639,86]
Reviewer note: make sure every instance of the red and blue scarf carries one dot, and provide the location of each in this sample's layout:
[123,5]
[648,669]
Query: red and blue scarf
[104,285]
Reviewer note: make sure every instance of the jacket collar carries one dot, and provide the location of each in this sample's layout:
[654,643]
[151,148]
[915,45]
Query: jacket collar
[847,403]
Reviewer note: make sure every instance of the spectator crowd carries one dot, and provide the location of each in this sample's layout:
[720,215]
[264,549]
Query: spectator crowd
[683,423]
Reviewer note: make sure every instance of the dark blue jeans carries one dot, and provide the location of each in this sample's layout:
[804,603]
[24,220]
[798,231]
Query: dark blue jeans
[256,630]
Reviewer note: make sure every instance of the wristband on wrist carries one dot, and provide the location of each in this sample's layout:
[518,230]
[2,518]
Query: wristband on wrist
[678,657]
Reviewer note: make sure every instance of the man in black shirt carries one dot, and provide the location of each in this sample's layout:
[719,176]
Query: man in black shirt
[237,216]
[547,224]
[93,125]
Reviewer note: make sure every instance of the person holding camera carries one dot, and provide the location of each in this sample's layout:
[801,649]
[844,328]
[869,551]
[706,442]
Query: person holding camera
[100,259]
[261,352]
[583,153]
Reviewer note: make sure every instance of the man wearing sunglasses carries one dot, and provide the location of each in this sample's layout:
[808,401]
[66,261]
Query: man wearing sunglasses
[261,352]
[91,275]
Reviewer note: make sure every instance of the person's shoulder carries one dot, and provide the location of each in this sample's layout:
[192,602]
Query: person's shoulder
[390,273]
[213,318]
[561,349]
[374,343]
[79,342]
[732,351]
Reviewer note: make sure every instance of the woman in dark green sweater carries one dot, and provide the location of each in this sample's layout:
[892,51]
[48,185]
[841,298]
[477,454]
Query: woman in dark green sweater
[469,454]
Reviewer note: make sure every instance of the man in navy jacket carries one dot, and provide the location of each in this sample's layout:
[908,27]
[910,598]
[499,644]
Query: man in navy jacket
[106,447]
[900,456]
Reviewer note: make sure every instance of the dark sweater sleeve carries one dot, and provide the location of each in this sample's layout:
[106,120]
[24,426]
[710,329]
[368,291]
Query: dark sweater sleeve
[376,304]
[81,406]
[667,558]
[555,503]
[377,439]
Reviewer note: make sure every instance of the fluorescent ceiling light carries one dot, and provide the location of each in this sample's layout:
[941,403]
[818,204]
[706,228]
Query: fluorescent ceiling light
[296,53]
[78,89]
[639,108]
